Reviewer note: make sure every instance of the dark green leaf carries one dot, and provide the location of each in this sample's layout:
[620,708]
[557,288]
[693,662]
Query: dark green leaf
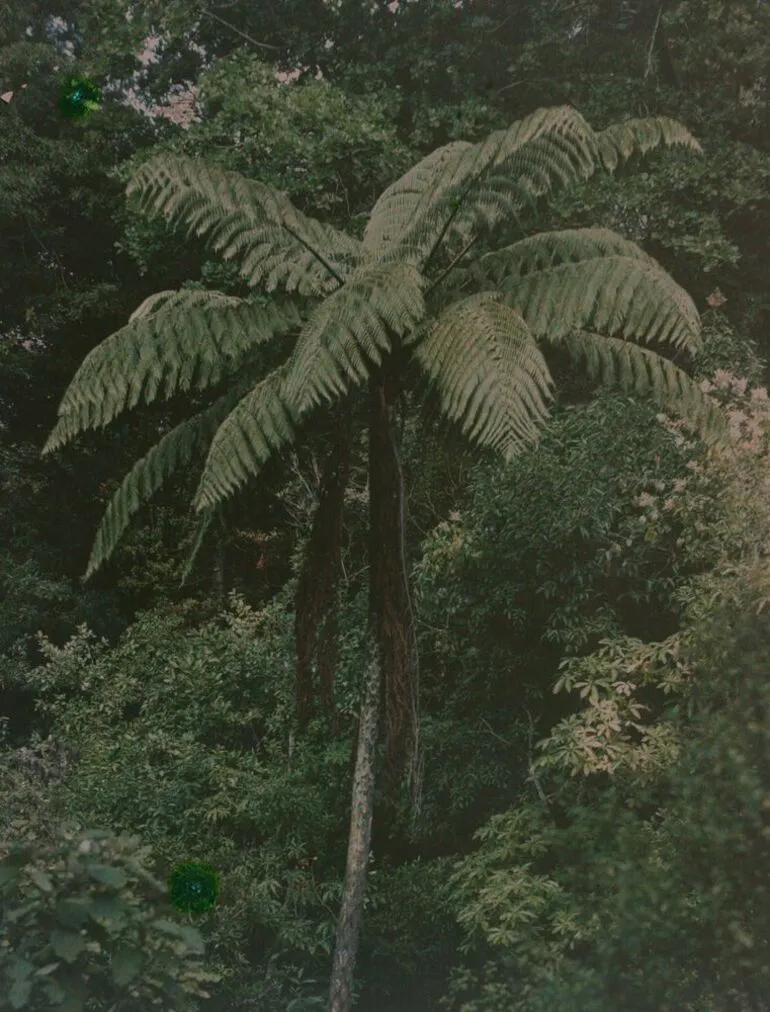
[126,964]
[107,875]
[67,944]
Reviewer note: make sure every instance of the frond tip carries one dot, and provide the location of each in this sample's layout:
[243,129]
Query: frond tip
[169,455]
[640,371]
[275,243]
[490,375]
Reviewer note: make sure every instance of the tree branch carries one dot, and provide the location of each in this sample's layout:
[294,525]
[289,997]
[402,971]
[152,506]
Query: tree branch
[262,45]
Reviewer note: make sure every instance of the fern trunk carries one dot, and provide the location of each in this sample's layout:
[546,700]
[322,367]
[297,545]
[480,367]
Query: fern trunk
[389,605]
[359,838]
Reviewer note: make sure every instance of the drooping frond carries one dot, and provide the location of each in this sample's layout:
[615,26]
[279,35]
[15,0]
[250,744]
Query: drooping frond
[639,136]
[259,424]
[489,373]
[275,243]
[173,452]
[177,340]
[351,331]
[583,284]
[638,370]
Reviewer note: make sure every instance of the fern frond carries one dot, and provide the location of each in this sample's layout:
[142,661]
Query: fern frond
[275,243]
[586,279]
[638,370]
[260,424]
[194,337]
[550,249]
[405,202]
[462,191]
[489,373]
[173,452]
[352,330]
[639,136]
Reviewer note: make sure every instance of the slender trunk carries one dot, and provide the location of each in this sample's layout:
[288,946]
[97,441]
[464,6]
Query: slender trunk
[218,568]
[351,909]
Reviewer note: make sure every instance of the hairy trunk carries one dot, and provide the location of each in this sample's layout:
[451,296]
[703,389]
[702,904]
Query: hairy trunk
[389,603]
[315,623]
[390,671]
[359,838]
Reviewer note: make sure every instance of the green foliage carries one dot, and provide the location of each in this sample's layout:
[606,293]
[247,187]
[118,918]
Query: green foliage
[620,887]
[648,893]
[82,926]
[186,737]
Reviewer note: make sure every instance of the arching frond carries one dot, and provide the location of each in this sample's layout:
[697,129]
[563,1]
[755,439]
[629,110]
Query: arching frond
[464,190]
[639,136]
[275,243]
[173,452]
[352,330]
[489,373]
[405,202]
[479,184]
[258,425]
[638,370]
[624,293]
[550,249]
[177,340]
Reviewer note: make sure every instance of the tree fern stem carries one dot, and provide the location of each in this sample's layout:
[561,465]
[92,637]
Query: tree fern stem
[337,277]
[434,284]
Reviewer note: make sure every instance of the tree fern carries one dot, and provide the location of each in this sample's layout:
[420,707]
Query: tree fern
[172,341]
[352,330]
[275,242]
[488,371]
[638,370]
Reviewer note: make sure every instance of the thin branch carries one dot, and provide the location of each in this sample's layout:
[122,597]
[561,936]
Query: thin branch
[532,773]
[494,733]
[262,45]
[648,68]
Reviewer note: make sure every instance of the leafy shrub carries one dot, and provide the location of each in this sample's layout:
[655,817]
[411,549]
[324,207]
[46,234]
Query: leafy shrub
[84,927]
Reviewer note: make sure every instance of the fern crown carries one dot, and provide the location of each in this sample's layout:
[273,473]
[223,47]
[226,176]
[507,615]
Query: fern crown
[347,304]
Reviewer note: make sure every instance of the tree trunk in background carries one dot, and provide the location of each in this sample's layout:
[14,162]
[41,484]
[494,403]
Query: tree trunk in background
[359,838]
[315,614]
[218,568]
